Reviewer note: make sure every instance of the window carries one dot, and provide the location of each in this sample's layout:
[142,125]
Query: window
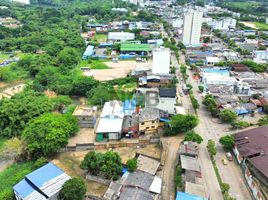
[142,123]
[153,127]
[153,122]
[147,128]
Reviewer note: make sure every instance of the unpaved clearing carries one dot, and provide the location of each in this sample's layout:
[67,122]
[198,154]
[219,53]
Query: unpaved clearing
[85,135]
[172,145]
[251,25]
[118,70]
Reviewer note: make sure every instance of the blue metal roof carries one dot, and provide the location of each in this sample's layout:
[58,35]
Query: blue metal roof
[23,189]
[89,51]
[38,177]
[44,174]
[186,196]
[130,104]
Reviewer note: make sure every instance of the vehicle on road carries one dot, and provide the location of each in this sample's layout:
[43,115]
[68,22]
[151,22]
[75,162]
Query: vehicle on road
[229,156]
[224,161]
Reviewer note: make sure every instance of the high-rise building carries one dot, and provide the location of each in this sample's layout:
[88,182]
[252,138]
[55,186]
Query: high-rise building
[161,60]
[192,24]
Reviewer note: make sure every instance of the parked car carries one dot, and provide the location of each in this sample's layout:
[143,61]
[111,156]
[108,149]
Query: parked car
[224,161]
[229,156]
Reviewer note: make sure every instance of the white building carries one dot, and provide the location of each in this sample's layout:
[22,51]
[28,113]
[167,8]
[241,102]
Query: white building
[177,23]
[260,56]
[266,20]
[224,24]
[212,60]
[192,28]
[120,36]
[111,120]
[161,60]
[22,1]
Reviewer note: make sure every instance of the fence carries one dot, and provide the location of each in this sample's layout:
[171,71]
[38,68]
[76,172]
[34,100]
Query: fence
[112,145]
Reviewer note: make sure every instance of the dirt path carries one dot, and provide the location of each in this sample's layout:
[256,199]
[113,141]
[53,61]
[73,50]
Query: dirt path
[172,145]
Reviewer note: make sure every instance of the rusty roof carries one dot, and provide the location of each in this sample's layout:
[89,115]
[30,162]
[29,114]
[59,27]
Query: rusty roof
[252,144]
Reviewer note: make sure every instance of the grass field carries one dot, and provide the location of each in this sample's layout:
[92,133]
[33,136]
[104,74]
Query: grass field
[261,26]
[242,5]
[12,175]
[94,64]
[99,38]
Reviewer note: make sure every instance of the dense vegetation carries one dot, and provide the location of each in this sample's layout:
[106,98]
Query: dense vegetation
[73,189]
[107,165]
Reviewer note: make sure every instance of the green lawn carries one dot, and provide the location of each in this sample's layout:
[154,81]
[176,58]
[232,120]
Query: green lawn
[261,26]
[3,57]
[99,38]
[94,64]
[11,176]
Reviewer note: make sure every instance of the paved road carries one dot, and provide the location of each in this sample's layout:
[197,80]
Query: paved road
[172,144]
[211,129]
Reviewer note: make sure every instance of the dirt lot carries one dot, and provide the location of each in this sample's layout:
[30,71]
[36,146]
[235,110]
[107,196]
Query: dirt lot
[70,162]
[85,135]
[118,70]
[251,25]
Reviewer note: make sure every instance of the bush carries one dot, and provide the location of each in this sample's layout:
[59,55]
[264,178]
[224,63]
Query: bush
[228,116]
[40,162]
[263,121]
[193,136]
[73,189]
[240,124]
[227,141]
[132,164]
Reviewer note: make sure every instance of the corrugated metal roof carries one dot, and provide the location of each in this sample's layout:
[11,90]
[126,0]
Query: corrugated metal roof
[135,47]
[48,179]
[186,196]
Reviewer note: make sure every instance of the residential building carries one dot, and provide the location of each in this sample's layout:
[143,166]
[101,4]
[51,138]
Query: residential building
[86,116]
[88,52]
[149,120]
[192,28]
[251,151]
[167,100]
[210,61]
[120,36]
[27,2]
[260,56]
[111,121]
[161,61]
[44,183]
[224,24]
[266,20]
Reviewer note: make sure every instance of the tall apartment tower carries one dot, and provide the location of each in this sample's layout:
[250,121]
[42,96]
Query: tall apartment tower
[192,24]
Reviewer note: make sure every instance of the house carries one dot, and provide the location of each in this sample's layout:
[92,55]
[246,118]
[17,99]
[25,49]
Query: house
[167,100]
[153,81]
[210,61]
[251,151]
[260,56]
[111,121]
[120,36]
[42,184]
[187,196]
[88,52]
[140,49]
[142,184]
[188,149]
[129,107]
[149,120]
[86,116]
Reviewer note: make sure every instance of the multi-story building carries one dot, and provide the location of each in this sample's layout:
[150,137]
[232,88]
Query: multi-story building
[161,61]
[192,28]
[260,56]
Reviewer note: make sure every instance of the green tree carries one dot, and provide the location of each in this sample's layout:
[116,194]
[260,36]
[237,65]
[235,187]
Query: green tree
[108,165]
[240,124]
[132,164]
[263,121]
[48,133]
[68,58]
[82,85]
[73,189]
[181,123]
[228,116]
[16,112]
[201,88]
[212,150]
[194,102]
[227,141]
[193,136]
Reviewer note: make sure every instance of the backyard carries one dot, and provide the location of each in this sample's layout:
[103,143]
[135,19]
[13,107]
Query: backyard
[99,38]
